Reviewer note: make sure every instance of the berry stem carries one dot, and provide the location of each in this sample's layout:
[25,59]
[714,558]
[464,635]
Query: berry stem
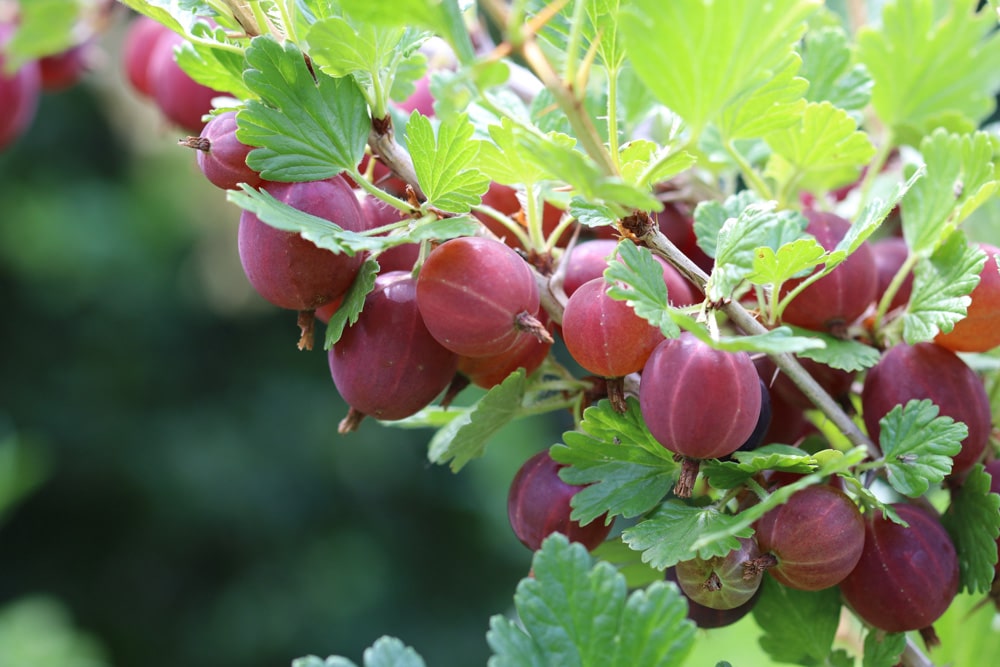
[525,321]
[351,422]
[307,328]
[689,474]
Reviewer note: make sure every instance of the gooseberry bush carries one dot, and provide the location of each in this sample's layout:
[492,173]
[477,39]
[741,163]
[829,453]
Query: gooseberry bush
[749,247]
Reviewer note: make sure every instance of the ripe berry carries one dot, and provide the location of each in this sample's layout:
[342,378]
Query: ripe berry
[698,402]
[589,259]
[476,295]
[387,365]
[528,352]
[605,335]
[221,156]
[290,271]
[927,370]
[814,540]
[890,253]
[140,42]
[906,577]
[539,504]
[707,617]
[181,99]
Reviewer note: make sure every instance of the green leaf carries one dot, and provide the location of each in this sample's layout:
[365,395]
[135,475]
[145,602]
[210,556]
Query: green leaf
[553,156]
[385,652]
[444,162]
[822,151]
[960,176]
[833,77]
[973,522]
[941,287]
[442,17]
[354,300]
[831,462]
[212,62]
[626,471]
[799,626]
[654,628]
[847,355]
[465,437]
[758,225]
[793,259]
[638,281]
[779,339]
[918,445]
[777,104]
[710,56]
[574,613]
[730,474]
[924,68]
[668,536]
[884,651]
[323,233]
[505,161]
[644,164]
[711,215]
[309,126]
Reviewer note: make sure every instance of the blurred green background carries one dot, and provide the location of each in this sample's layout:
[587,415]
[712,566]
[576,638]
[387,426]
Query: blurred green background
[185,498]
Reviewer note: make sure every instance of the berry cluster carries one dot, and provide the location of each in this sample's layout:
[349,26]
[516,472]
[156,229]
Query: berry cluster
[778,348]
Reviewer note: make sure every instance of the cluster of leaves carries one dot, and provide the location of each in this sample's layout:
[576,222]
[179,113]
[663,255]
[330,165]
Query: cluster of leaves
[804,105]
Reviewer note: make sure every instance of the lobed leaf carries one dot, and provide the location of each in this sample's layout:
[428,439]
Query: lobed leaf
[847,355]
[626,471]
[960,176]
[681,66]
[918,445]
[738,240]
[924,69]
[307,125]
[385,652]
[730,474]
[352,304]
[822,150]
[574,613]
[674,533]
[465,437]
[828,65]
[638,281]
[711,215]
[941,287]
[973,522]
[883,651]
[444,162]
[799,626]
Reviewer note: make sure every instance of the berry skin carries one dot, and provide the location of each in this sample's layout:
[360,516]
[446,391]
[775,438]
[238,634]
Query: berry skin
[906,577]
[699,402]
[604,335]
[19,94]
[140,42]
[816,538]
[221,156]
[719,582]
[927,370]
[539,504]
[181,99]
[476,295]
[290,271]
[589,259]
[387,365]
